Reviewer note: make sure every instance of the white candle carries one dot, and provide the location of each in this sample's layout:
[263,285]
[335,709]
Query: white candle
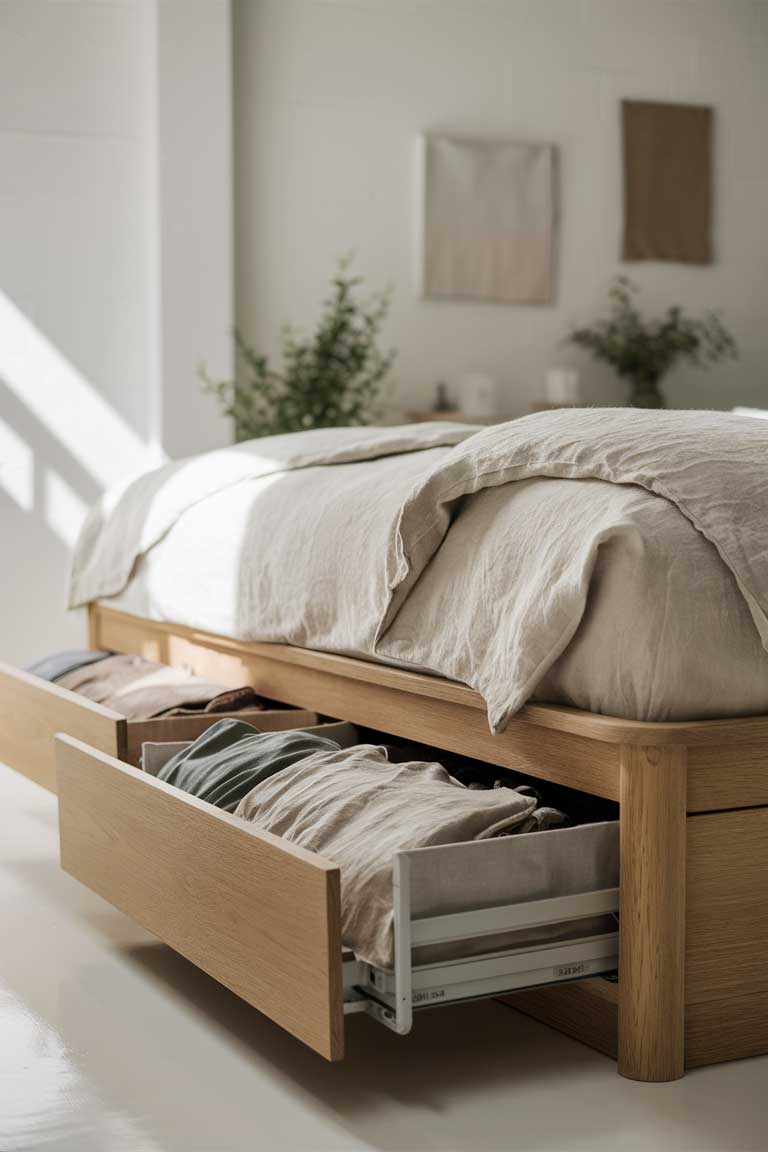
[562,386]
[478,395]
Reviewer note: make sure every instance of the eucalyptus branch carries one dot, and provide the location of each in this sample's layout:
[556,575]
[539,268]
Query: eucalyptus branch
[331,378]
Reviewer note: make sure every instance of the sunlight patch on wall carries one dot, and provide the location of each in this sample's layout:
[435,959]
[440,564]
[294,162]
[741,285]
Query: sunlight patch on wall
[64,510]
[17,468]
[70,408]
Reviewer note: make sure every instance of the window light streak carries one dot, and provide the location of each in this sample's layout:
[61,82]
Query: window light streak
[97,437]
[17,468]
[63,509]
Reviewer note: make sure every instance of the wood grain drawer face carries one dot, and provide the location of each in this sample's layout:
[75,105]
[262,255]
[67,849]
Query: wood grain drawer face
[32,711]
[727,905]
[260,915]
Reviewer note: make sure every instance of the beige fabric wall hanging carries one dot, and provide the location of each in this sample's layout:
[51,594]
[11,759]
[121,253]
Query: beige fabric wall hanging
[667,182]
[488,220]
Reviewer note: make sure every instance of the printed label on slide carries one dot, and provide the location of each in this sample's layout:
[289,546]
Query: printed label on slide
[567,971]
[425,997]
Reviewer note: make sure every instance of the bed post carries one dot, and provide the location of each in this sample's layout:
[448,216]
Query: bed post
[652,912]
[92,618]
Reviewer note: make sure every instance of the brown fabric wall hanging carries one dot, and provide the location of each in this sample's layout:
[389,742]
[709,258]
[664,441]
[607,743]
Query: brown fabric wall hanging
[667,182]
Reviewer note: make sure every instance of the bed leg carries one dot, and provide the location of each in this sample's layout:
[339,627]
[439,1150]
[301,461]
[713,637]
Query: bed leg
[93,626]
[652,912]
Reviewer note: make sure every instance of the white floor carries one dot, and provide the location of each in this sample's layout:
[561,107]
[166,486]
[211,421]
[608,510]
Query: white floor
[108,1041]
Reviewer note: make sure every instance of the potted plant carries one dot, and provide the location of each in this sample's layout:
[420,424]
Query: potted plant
[330,378]
[643,351]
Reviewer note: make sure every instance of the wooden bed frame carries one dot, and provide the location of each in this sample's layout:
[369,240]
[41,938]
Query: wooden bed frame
[693,986]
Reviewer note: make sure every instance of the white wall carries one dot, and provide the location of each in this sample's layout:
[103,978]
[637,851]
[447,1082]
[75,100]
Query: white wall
[194,125]
[105,309]
[330,95]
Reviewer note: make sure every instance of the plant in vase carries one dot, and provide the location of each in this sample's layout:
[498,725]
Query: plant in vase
[331,378]
[643,351]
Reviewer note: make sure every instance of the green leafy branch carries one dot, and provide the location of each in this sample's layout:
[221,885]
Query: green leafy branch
[642,349]
[330,378]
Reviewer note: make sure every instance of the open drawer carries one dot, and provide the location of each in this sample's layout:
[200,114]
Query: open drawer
[32,711]
[263,916]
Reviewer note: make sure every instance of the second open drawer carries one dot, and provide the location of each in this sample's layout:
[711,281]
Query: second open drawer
[33,710]
[262,915]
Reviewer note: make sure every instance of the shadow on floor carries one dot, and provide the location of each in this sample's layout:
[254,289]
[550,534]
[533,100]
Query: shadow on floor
[454,1054]
[171,1051]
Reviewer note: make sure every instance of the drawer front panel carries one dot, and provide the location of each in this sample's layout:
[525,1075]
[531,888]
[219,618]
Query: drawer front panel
[32,711]
[258,914]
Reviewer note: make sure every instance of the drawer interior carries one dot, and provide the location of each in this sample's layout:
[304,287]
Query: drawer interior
[263,916]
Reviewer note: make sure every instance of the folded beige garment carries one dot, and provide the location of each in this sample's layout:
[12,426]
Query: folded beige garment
[358,809]
[139,689]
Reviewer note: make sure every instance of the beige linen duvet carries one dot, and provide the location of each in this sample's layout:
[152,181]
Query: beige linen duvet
[610,558]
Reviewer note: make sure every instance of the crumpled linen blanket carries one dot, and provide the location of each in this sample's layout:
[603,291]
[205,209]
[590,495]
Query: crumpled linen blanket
[133,516]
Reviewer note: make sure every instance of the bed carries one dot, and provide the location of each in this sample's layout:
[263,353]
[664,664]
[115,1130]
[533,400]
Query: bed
[652,608]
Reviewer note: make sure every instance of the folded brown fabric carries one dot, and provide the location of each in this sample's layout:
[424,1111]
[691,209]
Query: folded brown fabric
[140,689]
[232,700]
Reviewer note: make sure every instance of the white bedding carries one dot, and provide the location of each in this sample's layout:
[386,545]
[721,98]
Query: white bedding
[612,559]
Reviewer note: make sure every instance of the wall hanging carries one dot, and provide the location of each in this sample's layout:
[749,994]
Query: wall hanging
[667,182]
[487,220]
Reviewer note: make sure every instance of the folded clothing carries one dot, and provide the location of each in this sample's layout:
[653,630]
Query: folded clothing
[358,808]
[60,663]
[228,760]
[155,754]
[140,689]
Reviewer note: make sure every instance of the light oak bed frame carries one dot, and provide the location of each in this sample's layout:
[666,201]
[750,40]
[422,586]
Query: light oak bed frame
[693,983]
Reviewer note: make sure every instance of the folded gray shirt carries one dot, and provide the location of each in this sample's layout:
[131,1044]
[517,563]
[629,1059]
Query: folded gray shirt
[232,757]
